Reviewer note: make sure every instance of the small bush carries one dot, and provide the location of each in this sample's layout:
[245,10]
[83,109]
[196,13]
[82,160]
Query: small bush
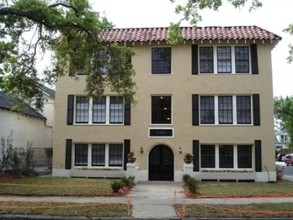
[192,184]
[128,181]
[185,178]
[117,185]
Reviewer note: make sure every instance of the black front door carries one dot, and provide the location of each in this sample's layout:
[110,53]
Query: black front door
[161,163]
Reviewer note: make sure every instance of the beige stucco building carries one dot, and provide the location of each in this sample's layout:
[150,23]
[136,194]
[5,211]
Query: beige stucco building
[210,96]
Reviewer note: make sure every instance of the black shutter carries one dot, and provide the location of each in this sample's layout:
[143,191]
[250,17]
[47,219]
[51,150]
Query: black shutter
[68,153]
[195,151]
[194,59]
[258,161]
[256,110]
[126,151]
[70,109]
[195,110]
[254,59]
[127,113]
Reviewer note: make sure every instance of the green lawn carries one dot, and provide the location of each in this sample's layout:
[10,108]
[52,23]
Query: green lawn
[272,210]
[66,209]
[56,186]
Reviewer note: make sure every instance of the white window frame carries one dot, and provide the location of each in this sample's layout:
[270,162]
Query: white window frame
[233,63]
[90,119]
[89,159]
[234,104]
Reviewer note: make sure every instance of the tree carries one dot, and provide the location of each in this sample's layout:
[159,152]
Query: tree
[283,110]
[72,30]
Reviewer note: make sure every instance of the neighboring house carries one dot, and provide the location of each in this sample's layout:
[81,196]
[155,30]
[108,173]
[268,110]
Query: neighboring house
[281,140]
[49,105]
[210,95]
[29,126]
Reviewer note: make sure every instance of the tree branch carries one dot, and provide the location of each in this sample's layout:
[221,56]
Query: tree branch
[64,5]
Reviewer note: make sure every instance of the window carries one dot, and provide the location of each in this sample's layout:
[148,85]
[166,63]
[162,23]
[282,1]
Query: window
[81,155]
[161,109]
[242,59]
[224,59]
[98,155]
[161,60]
[226,156]
[206,57]
[225,110]
[105,110]
[207,156]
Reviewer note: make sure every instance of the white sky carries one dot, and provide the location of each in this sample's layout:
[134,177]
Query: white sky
[274,16]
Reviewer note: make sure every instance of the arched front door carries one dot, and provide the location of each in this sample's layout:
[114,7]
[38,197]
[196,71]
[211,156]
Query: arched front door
[161,163]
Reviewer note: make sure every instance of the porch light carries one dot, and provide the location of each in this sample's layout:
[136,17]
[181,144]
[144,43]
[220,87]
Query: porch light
[141,150]
[180,150]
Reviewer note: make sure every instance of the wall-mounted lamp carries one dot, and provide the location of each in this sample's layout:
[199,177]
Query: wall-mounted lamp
[180,150]
[141,150]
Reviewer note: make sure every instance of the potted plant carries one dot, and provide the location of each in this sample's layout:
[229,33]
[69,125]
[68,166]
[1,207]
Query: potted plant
[130,157]
[188,158]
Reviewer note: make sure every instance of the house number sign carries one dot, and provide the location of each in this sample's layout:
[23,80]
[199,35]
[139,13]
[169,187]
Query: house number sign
[161,132]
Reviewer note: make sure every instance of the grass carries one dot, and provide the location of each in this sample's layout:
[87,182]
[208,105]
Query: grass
[222,189]
[66,209]
[56,186]
[266,210]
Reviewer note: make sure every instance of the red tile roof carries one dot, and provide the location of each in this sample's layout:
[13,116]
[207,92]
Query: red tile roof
[189,33]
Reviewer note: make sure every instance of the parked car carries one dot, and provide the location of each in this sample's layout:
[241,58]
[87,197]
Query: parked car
[289,159]
[281,156]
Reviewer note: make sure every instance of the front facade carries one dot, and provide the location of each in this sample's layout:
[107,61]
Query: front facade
[210,96]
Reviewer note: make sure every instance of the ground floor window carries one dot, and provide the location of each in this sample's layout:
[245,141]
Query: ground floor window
[98,155]
[226,156]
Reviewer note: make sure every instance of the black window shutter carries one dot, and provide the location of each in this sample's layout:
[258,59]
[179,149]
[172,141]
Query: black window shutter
[70,109]
[256,110]
[68,152]
[195,110]
[254,59]
[127,113]
[195,152]
[126,151]
[258,161]
[194,59]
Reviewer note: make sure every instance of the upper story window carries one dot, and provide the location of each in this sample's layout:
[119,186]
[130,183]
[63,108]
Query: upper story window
[224,59]
[161,109]
[225,110]
[106,110]
[161,60]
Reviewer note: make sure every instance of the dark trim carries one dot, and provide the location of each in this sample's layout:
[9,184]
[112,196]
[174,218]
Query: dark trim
[254,59]
[258,157]
[195,110]
[256,110]
[127,113]
[70,109]
[195,151]
[126,152]
[194,59]
[68,153]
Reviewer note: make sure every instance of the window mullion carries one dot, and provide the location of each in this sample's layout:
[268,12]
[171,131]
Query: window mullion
[90,110]
[217,157]
[106,155]
[89,155]
[234,103]
[216,110]
[215,60]
[235,155]
[107,109]
[233,64]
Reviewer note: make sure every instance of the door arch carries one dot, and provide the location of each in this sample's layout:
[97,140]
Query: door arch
[161,163]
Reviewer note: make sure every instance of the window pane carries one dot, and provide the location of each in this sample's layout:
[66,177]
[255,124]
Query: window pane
[207,110]
[161,60]
[98,155]
[243,110]
[101,61]
[225,110]
[226,156]
[82,110]
[244,156]
[116,110]
[161,109]
[115,155]
[224,59]
[99,110]
[80,154]
[206,57]
[242,59]
[207,156]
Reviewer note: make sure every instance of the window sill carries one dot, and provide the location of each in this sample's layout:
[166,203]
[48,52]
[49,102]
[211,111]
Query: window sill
[227,171]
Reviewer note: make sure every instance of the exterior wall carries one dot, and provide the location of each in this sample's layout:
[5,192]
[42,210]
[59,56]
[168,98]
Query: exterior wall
[49,111]
[180,84]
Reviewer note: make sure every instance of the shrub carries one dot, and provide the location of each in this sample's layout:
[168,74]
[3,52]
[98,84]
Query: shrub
[185,178]
[128,181]
[192,184]
[117,185]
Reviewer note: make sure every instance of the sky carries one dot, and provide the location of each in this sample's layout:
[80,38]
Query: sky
[274,16]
